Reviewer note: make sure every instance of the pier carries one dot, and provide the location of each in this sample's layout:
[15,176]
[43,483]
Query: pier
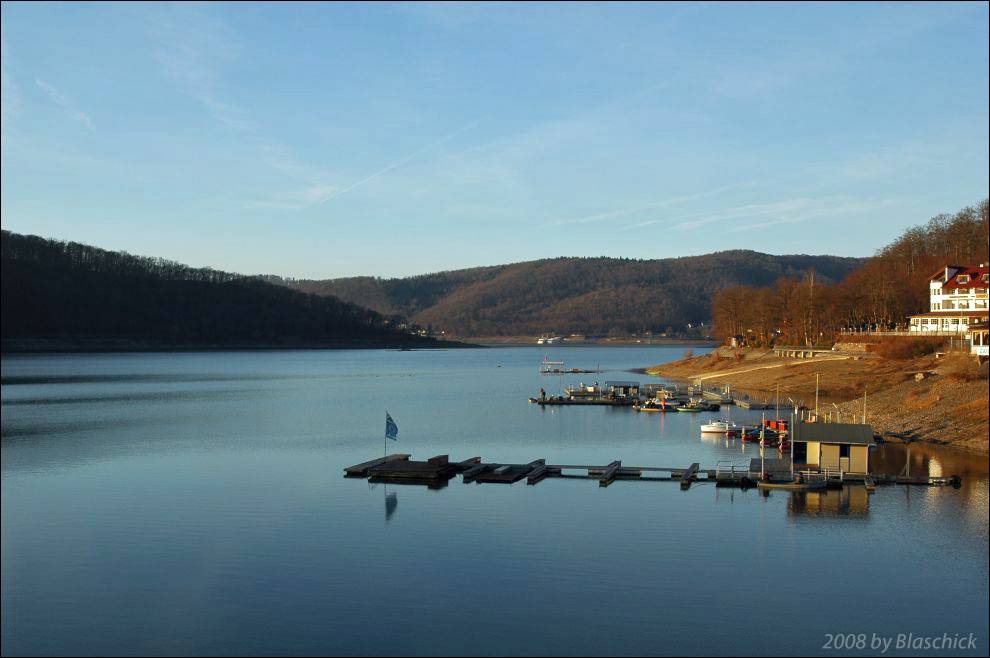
[437,471]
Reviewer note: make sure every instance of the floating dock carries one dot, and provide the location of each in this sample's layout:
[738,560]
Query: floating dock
[437,471]
[584,401]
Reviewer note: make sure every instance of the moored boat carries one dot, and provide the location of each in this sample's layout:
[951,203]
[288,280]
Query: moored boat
[769,437]
[747,434]
[698,405]
[654,406]
[718,427]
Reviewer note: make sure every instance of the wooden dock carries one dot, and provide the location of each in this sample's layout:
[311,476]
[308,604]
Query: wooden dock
[398,468]
[689,476]
[361,470]
[437,471]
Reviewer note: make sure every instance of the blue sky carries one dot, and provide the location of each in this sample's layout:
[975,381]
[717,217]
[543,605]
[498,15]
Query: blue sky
[322,140]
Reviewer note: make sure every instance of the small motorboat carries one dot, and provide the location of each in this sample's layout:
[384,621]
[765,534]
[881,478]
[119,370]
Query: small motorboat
[697,405]
[718,427]
[653,406]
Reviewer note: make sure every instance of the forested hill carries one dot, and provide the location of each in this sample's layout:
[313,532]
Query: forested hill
[69,294]
[574,295]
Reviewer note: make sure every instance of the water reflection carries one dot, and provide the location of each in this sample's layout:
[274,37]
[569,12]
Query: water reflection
[430,483]
[210,502]
[391,504]
[850,500]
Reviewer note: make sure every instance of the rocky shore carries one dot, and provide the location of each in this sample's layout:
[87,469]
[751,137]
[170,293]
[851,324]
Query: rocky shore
[937,401]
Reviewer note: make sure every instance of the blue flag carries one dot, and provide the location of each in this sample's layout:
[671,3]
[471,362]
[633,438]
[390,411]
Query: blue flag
[391,429]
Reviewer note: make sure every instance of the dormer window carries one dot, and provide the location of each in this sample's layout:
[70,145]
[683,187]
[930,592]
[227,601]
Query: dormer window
[985,278]
[962,278]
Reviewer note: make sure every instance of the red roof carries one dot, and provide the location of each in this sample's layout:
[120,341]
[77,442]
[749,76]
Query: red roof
[976,274]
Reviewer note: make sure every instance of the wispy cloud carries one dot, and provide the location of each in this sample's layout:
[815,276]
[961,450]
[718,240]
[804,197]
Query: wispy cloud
[10,97]
[665,203]
[817,209]
[296,198]
[67,105]
[401,161]
[698,220]
[192,48]
[785,211]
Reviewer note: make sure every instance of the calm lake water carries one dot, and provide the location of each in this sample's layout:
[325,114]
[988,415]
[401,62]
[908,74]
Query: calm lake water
[194,503]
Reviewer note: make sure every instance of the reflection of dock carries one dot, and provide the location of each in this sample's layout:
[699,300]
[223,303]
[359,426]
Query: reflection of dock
[436,471]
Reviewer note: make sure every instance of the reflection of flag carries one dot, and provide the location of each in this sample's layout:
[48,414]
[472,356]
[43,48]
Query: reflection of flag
[391,502]
[391,429]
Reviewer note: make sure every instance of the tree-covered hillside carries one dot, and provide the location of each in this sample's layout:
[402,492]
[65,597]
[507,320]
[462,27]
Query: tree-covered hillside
[69,291]
[574,295]
[880,295]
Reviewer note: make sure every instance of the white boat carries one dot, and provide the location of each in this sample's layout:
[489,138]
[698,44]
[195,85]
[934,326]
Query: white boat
[719,427]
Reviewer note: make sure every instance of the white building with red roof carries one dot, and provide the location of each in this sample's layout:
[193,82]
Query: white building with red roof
[958,300]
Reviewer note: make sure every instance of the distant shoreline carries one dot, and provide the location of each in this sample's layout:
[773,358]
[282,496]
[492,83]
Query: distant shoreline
[104,345]
[530,341]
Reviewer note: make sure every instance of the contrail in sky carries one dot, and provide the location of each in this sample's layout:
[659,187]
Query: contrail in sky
[399,163]
[673,201]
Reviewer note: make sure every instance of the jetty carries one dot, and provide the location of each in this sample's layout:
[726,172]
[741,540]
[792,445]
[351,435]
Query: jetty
[436,471]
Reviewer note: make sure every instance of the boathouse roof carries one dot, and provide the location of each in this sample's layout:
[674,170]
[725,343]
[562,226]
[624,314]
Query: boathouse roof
[854,433]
